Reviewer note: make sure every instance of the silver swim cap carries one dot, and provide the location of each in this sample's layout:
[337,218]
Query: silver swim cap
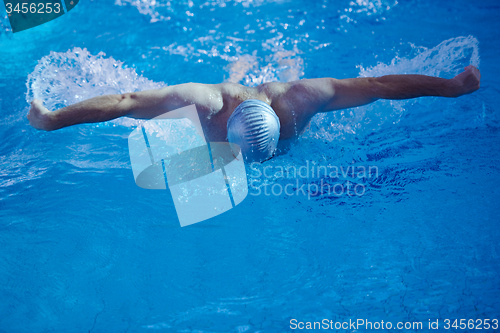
[255,128]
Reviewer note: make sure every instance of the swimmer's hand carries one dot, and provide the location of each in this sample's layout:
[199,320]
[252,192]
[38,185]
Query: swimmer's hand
[39,116]
[466,82]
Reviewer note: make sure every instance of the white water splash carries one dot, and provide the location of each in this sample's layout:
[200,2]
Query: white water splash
[64,78]
[444,60]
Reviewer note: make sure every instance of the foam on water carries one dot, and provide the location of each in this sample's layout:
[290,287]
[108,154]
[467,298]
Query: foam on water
[259,48]
[65,78]
[276,60]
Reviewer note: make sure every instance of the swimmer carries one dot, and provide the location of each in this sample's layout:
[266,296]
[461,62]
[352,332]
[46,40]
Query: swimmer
[255,118]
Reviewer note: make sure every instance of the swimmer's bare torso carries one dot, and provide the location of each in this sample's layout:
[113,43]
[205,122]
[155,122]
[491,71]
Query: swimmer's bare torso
[295,103]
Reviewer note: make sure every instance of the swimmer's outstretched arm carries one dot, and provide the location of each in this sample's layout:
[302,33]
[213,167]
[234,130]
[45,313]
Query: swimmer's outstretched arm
[331,94]
[142,105]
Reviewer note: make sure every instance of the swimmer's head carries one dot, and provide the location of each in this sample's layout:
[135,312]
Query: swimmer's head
[255,128]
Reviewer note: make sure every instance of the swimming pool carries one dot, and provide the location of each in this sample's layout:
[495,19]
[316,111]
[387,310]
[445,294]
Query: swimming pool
[84,249]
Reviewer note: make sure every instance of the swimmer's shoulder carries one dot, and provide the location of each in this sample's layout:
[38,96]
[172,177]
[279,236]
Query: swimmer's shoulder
[228,87]
[235,93]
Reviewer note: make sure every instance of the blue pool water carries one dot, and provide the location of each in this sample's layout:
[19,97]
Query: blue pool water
[83,249]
